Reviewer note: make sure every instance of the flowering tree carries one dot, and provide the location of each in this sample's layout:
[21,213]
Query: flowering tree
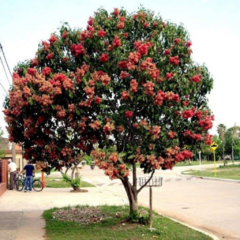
[127,83]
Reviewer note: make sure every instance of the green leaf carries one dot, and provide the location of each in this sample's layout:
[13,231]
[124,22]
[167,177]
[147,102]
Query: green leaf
[30,101]
[70,94]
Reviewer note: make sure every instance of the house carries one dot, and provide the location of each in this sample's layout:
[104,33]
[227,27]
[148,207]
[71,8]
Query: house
[6,146]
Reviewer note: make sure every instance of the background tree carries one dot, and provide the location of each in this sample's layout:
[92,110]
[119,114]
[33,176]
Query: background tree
[126,84]
[232,137]
[221,129]
[2,154]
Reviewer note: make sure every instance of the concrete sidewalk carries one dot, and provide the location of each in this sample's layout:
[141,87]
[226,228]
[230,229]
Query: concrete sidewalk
[21,213]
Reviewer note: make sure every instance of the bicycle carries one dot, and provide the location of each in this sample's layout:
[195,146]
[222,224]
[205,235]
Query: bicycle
[20,182]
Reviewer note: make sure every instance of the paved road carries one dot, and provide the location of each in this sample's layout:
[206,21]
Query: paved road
[213,206]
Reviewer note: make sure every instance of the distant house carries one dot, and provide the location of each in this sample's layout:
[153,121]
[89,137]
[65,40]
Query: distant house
[6,146]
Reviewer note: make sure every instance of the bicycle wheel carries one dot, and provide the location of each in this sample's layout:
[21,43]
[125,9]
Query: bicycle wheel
[19,185]
[37,185]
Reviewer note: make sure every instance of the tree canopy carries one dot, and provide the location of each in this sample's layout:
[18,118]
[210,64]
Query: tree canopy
[125,89]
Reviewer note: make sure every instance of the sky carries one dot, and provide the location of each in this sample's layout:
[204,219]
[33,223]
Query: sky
[213,25]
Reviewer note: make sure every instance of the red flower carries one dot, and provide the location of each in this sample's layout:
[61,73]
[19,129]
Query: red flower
[208,139]
[122,64]
[120,25]
[169,75]
[116,12]
[155,24]
[171,134]
[125,95]
[46,71]
[59,77]
[49,56]
[103,57]
[174,60]
[77,49]
[166,52]
[125,35]
[198,114]
[116,42]
[64,34]
[188,43]
[32,71]
[101,33]
[65,59]
[40,119]
[196,78]
[146,24]
[177,40]
[34,62]
[122,18]
[98,100]
[90,21]
[187,114]
[187,154]
[128,114]
[52,39]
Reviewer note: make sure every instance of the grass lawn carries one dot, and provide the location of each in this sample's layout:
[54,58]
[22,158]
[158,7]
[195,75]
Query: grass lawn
[59,183]
[108,222]
[194,163]
[227,172]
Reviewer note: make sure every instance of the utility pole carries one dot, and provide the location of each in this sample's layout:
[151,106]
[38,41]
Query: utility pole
[1,49]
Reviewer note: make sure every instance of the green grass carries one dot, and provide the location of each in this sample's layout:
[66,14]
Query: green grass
[194,163]
[114,227]
[225,172]
[59,183]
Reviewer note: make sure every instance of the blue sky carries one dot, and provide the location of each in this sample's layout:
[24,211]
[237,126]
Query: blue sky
[213,25]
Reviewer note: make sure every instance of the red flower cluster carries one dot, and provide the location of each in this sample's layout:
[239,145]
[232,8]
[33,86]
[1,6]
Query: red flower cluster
[141,47]
[174,60]
[101,33]
[158,99]
[150,68]
[196,78]
[52,39]
[205,123]
[188,44]
[177,40]
[195,136]
[49,56]
[134,86]
[171,134]
[77,50]
[169,75]
[166,52]
[32,71]
[187,114]
[98,100]
[125,95]
[116,42]
[103,57]
[46,71]
[128,114]
[149,87]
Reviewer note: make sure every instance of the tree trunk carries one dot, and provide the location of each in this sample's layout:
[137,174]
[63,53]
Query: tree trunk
[131,194]
[232,154]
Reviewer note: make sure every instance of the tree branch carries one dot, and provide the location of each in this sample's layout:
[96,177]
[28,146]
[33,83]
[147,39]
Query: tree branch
[139,190]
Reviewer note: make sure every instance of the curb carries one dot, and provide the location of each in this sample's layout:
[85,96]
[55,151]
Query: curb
[214,179]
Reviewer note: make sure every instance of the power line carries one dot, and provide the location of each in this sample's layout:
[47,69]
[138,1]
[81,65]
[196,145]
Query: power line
[3,88]
[4,70]
[5,59]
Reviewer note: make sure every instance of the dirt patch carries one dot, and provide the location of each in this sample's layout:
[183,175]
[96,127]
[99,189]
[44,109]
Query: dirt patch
[84,216]
[78,190]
